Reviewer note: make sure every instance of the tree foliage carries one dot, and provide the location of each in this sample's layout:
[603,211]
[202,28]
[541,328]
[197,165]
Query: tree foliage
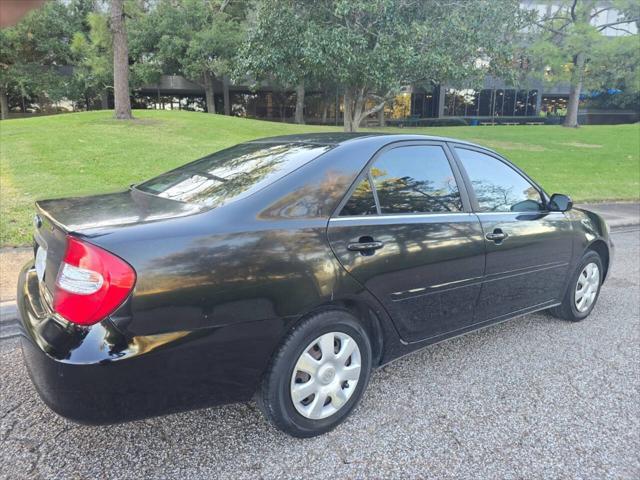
[365,50]
[279,48]
[195,38]
[33,51]
[372,48]
[569,45]
[91,55]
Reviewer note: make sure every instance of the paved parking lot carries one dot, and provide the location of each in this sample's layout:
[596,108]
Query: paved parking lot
[531,398]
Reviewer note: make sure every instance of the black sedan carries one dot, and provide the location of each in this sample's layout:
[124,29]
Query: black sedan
[286,269]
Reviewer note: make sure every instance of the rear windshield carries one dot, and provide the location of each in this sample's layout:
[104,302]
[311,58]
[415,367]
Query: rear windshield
[229,174]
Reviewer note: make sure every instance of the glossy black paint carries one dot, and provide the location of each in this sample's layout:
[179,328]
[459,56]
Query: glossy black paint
[217,290]
[428,274]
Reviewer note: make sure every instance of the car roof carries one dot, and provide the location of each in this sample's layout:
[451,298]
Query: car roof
[340,138]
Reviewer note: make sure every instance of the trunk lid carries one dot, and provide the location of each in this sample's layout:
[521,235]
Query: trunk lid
[78,214]
[57,218]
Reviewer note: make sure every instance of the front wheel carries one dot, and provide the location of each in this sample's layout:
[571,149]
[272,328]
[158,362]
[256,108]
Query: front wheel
[318,374]
[583,290]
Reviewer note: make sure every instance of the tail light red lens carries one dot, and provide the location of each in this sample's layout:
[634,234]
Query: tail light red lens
[91,283]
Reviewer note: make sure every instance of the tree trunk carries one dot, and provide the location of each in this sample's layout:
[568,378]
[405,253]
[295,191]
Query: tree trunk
[325,108]
[348,106]
[571,120]
[354,108]
[225,94]
[4,104]
[209,93]
[381,122]
[299,116]
[493,106]
[358,110]
[269,96]
[120,62]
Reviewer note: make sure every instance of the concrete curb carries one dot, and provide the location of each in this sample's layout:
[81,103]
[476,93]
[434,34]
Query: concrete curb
[8,320]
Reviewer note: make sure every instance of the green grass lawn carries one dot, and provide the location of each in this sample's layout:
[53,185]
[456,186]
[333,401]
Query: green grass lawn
[85,153]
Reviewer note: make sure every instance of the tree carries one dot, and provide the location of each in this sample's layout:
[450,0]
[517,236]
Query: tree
[396,43]
[617,83]
[195,38]
[571,46]
[93,68]
[372,48]
[277,49]
[121,97]
[32,52]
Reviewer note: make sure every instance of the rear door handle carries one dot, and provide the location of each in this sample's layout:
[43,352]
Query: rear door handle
[364,246]
[497,235]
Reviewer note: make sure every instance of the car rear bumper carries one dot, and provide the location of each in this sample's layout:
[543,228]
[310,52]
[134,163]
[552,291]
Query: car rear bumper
[98,375]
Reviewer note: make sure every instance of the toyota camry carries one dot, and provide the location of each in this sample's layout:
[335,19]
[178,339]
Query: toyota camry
[286,269]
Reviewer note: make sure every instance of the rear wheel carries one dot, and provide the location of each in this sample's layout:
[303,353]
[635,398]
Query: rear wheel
[317,375]
[583,290]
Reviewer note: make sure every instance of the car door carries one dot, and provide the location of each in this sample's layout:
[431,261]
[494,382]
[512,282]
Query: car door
[405,232]
[528,248]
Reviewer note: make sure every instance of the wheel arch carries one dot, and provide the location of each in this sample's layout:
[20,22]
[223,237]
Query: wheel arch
[362,311]
[600,247]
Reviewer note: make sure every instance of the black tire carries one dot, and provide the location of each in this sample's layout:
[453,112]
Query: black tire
[274,394]
[567,309]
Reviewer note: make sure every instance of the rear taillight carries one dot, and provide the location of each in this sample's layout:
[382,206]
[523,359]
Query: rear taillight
[91,283]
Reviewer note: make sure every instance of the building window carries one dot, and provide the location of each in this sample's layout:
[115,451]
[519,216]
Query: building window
[521,103]
[470,99]
[461,103]
[498,105]
[402,106]
[532,103]
[423,105]
[554,105]
[484,103]
[486,100]
[509,104]
[417,105]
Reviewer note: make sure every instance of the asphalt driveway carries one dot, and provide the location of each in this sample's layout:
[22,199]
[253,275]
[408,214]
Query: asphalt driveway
[531,398]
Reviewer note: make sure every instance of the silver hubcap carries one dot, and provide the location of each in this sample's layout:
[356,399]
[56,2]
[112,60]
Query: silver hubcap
[325,375]
[587,287]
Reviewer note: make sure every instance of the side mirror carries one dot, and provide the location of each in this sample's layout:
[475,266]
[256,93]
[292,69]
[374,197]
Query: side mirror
[560,203]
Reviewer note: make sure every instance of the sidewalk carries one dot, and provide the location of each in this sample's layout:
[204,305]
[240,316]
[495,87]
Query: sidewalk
[617,215]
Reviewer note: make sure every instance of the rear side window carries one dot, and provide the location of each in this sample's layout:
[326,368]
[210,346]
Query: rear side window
[415,179]
[232,173]
[361,201]
[497,186]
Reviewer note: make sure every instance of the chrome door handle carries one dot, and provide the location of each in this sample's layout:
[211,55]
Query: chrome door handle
[362,246]
[496,236]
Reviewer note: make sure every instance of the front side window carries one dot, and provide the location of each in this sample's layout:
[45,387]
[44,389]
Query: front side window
[415,179]
[229,174]
[498,187]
